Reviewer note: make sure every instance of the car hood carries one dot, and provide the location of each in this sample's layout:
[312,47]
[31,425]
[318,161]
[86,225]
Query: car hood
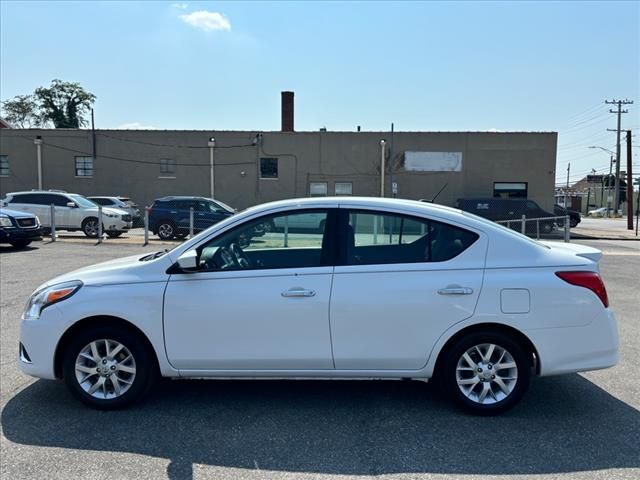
[15,214]
[122,270]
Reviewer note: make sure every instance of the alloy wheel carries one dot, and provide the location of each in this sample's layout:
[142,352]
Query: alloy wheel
[165,231]
[486,373]
[91,228]
[105,369]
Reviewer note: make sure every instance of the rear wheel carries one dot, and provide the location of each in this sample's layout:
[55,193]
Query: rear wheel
[486,373]
[546,227]
[573,222]
[20,243]
[108,367]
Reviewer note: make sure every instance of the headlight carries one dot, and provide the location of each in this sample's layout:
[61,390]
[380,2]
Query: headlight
[5,222]
[41,299]
[110,215]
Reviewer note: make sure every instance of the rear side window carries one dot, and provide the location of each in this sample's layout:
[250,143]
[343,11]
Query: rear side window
[101,201]
[381,238]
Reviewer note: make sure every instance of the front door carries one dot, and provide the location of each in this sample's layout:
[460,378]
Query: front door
[403,283]
[254,303]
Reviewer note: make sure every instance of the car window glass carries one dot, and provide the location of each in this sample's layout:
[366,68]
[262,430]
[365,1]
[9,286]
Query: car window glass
[380,238]
[292,240]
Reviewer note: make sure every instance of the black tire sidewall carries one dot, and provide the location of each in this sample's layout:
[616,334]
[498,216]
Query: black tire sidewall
[20,243]
[145,365]
[448,375]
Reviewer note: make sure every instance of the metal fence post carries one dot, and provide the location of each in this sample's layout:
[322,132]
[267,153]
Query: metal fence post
[522,227]
[567,237]
[146,226]
[52,214]
[99,223]
[190,222]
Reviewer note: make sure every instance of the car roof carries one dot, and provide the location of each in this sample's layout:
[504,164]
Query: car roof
[180,197]
[60,192]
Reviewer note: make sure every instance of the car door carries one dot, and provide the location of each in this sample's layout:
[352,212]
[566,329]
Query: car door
[402,282]
[25,202]
[262,306]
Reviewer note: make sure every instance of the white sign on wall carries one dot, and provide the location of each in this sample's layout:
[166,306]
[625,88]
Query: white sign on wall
[433,161]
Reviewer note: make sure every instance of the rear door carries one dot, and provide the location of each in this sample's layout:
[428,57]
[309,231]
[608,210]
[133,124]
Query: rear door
[403,281]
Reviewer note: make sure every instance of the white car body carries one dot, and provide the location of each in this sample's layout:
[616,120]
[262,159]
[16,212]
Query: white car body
[372,321]
[67,217]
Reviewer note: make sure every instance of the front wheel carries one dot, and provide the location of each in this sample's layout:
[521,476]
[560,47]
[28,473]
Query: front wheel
[90,227]
[20,243]
[486,373]
[108,367]
[114,234]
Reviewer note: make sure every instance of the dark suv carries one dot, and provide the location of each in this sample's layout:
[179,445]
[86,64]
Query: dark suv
[574,215]
[169,216]
[499,209]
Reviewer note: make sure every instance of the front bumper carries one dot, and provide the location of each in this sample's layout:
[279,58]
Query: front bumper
[39,339]
[577,349]
[10,234]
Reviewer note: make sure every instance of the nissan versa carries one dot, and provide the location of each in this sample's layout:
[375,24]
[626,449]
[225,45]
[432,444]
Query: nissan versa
[386,289]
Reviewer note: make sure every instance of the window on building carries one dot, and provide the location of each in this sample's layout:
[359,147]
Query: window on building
[344,188]
[4,165]
[168,165]
[379,238]
[268,167]
[510,189]
[84,166]
[318,189]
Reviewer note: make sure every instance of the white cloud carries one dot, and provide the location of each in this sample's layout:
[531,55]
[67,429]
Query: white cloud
[207,21]
[135,126]
[181,6]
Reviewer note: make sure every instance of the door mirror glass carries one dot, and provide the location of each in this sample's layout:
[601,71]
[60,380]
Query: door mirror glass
[188,260]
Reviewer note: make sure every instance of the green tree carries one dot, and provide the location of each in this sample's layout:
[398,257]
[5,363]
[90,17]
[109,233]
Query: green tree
[65,104]
[22,111]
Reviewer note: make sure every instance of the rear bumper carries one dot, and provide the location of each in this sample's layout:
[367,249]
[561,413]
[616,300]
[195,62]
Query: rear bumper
[577,349]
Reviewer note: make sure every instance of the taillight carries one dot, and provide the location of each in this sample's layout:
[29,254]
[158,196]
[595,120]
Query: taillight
[590,280]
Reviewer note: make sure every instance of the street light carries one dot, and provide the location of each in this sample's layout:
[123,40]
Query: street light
[211,144]
[602,148]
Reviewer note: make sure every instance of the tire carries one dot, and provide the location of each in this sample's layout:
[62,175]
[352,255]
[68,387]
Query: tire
[546,228]
[181,235]
[166,230]
[114,234]
[90,227]
[134,354]
[573,223]
[20,243]
[497,399]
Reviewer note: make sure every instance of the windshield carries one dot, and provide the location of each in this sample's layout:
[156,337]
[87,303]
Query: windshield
[82,201]
[225,206]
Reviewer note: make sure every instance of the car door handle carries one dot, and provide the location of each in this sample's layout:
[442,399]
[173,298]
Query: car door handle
[298,292]
[455,291]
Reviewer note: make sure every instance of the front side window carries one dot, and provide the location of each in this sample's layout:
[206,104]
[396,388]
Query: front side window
[84,166]
[288,243]
[102,201]
[380,238]
[268,168]
[4,165]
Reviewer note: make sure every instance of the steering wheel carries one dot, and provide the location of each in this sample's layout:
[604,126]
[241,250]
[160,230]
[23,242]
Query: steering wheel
[228,259]
[240,257]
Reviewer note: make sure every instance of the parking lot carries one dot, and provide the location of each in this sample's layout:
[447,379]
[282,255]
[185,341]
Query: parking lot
[573,426]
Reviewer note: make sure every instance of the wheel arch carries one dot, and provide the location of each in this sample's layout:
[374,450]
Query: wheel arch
[98,320]
[516,334]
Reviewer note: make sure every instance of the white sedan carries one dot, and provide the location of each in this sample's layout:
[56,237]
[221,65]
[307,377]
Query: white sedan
[392,289]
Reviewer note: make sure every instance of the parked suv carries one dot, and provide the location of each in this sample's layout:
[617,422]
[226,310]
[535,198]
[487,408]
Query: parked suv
[574,215]
[73,212]
[122,203]
[497,209]
[18,228]
[169,216]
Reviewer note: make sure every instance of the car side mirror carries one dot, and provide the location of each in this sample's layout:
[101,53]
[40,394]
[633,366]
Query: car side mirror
[72,205]
[188,260]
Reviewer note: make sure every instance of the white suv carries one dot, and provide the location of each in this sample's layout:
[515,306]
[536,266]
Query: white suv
[72,212]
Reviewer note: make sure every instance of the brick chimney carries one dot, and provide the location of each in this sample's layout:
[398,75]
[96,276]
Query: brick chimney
[287,112]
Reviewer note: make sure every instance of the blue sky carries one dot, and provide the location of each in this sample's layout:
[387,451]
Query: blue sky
[518,66]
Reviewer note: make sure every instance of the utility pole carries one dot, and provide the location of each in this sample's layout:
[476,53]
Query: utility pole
[629,184]
[93,136]
[38,144]
[382,166]
[212,186]
[619,112]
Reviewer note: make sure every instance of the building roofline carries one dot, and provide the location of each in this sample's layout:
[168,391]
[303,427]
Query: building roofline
[381,132]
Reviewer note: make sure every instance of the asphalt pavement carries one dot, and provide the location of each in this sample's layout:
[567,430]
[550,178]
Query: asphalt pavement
[575,426]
